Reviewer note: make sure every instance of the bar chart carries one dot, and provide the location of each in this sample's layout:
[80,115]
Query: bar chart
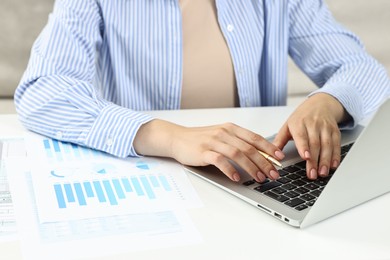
[62,151]
[111,191]
[73,182]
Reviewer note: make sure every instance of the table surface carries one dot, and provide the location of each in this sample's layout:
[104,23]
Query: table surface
[233,229]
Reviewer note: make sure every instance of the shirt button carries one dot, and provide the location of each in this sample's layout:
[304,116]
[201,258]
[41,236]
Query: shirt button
[59,135]
[109,141]
[230,27]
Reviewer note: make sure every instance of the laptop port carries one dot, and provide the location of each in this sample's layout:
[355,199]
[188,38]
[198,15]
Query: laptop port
[277,215]
[286,219]
[263,208]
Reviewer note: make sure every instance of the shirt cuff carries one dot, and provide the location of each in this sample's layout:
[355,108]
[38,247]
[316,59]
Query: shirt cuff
[349,98]
[114,130]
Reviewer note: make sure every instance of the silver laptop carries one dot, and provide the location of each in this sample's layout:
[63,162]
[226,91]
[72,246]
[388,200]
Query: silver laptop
[300,202]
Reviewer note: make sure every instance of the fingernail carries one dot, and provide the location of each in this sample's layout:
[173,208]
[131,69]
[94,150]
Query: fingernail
[236,177]
[313,174]
[335,164]
[279,155]
[307,155]
[324,171]
[274,174]
[260,176]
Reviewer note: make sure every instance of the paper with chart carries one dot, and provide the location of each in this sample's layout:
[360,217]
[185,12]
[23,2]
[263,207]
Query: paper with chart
[72,182]
[8,226]
[93,237]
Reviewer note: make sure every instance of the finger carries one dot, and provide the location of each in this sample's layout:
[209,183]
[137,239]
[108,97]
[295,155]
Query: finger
[300,136]
[222,163]
[326,152]
[239,147]
[336,154]
[282,137]
[256,140]
[233,153]
[315,146]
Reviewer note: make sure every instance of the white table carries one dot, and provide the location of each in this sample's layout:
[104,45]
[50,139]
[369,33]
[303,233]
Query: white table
[232,229]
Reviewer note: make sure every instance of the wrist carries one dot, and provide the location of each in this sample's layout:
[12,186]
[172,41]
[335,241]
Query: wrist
[155,138]
[333,105]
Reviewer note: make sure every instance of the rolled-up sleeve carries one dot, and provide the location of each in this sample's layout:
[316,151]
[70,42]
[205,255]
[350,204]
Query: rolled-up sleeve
[57,96]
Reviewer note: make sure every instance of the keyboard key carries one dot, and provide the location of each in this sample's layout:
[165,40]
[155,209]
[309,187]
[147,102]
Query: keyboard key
[275,196]
[284,180]
[316,193]
[291,169]
[279,190]
[298,182]
[311,186]
[301,173]
[321,182]
[301,165]
[307,197]
[267,186]
[293,176]
[301,207]
[310,203]
[291,194]
[301,190]
[248,183]
[289,186]
[283,173]
[294,202]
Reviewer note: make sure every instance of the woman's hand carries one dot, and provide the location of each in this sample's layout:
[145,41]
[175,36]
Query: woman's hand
[314,128]
[218,145]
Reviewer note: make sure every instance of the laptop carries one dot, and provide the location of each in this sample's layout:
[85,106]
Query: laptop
[300,202]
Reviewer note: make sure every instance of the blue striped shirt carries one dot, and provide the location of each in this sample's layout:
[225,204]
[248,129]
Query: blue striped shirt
[99,63]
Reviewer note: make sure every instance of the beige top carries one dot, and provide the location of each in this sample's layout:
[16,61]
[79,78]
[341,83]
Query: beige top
[208,76]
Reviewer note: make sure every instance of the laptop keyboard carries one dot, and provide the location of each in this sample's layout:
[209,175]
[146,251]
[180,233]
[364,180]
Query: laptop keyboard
[293,188]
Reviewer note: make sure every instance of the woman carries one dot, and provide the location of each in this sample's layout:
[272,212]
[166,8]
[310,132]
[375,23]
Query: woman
[98,64]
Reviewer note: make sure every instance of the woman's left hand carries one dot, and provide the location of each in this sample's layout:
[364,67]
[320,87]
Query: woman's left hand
[314,128]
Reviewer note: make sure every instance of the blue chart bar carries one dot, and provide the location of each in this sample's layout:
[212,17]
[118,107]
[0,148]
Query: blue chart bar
[118,189]
[56,146]
[46,144]
[110,191]
[137,186]
[88,189]
[126,184]
[60,196]
[99,191]
[80,194]
[147,187]
[69,193]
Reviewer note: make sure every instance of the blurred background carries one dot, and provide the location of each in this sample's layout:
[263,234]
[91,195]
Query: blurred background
[22,20]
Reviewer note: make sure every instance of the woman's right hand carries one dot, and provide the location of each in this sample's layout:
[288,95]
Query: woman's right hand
[218,145]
